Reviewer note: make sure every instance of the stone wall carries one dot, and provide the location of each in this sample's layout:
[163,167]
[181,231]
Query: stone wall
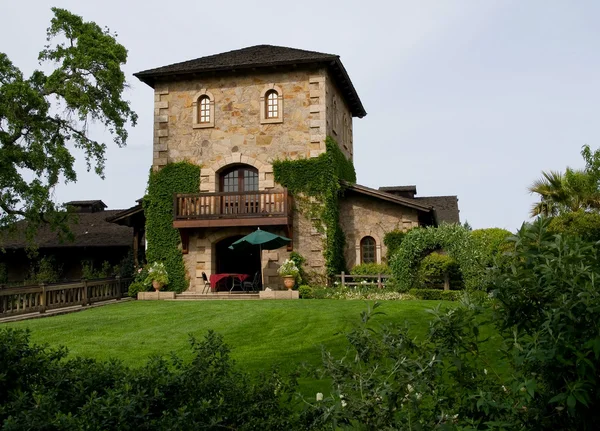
[362,216]
[240,134]
[339,119]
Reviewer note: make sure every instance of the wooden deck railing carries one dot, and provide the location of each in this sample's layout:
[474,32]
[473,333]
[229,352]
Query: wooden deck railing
[30,299]
[265,203]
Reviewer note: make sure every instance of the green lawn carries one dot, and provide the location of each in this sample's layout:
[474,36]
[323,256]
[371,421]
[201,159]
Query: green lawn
[260,333]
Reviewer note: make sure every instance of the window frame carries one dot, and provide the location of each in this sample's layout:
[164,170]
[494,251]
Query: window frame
[363,245]
[203,94]
[264,104]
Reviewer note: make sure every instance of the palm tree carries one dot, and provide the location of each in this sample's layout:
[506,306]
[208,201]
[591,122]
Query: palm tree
[572,191]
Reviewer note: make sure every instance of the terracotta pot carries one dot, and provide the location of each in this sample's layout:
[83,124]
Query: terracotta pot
[157,285]
[289,281]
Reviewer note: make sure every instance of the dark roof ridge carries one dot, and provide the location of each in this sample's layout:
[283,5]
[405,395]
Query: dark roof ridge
[387,196]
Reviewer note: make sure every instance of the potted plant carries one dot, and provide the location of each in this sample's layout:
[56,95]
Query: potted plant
[289,272]
[157,275]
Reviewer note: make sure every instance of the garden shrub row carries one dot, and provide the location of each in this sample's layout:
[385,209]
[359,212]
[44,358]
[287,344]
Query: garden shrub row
[436,294]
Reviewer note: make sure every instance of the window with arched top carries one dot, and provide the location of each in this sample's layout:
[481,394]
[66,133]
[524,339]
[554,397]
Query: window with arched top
[234,181]
[204,110]
[271,102]
[368,252]
[272,105]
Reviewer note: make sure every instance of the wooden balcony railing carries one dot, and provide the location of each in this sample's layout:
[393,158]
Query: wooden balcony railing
[268,207]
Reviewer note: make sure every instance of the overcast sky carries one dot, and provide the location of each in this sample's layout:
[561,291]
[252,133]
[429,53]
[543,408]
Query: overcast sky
[468,98]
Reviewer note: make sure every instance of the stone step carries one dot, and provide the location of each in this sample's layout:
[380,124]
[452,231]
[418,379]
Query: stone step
[191,296]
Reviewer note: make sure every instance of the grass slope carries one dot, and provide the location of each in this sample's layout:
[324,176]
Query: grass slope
[260,333]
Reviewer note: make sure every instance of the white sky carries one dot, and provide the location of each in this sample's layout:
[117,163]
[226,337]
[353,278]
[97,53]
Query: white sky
[469,98]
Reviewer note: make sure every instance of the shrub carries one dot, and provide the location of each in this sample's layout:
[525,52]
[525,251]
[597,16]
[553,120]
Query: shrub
[454,239]
[157,272]
[370,269]
[436,294]
[44,388]
[45,270]
[90,273]
[136,287]
[433,268]
[583,224]
[305,292]
[299,260]
[392,240]
[288,268]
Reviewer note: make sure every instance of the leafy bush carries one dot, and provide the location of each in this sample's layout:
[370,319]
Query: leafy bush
[135,288]
[494,250]
[157,272]
[393,240]
[585,225]
[305,292]
[288,269]
[433,268]
[43,388]
[45,270]
[299,260]
[90,273]
[436,294]
[454,239]
[370,269]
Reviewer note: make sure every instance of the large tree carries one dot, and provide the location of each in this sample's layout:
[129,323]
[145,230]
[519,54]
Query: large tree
[572,191]
[44,116]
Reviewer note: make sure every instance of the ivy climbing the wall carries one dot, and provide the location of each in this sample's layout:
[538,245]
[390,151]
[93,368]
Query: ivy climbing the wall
[163,239]
[319,178]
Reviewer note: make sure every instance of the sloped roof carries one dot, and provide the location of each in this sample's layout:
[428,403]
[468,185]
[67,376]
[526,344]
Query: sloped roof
[260,56]
[399,189]
[411,203]
[91,230]
[446,207]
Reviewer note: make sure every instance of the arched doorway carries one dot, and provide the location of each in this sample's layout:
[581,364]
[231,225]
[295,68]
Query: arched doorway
[236,262]
[238,178]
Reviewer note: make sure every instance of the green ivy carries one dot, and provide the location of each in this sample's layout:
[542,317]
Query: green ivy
[163,238]
[392,240]
[319,178]
[455,239]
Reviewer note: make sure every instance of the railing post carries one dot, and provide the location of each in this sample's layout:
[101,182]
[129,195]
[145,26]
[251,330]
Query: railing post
[343,278]
[379,281]
[43,298]
[119,292]
[86,293]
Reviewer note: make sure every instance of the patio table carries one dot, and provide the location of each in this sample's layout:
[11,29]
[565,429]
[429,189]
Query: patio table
[215,278]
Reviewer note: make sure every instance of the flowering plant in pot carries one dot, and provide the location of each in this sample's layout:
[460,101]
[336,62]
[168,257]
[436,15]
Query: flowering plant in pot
[289,272]
[157,275]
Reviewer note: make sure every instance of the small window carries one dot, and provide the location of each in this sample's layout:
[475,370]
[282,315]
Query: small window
[271,102]
[204,110]
[367,250]
[272,105]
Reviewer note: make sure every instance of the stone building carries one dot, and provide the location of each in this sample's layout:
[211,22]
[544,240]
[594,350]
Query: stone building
[234,114]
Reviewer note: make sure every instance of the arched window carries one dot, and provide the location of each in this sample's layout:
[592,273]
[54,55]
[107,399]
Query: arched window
[272,105]
[240,178]
[271,102]
[204,110]
[368,253]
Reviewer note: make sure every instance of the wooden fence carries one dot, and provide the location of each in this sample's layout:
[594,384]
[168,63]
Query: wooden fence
[31,299]
[349,280]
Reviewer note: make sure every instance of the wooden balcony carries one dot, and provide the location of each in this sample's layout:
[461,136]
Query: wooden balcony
[259,208]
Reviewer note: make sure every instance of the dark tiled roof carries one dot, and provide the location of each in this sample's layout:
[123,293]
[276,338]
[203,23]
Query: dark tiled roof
[446,207]
[85,203]
[399,189]
[260,56]
[91,230]
[411,203]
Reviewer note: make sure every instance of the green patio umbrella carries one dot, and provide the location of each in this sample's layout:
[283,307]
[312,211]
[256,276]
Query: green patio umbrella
[264,240]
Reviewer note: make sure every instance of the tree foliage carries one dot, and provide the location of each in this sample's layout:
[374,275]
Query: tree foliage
[43,114]
[454,239]
[583,224]
[571,191]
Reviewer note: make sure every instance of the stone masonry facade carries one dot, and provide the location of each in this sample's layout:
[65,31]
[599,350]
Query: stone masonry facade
[362,216]
[239,135]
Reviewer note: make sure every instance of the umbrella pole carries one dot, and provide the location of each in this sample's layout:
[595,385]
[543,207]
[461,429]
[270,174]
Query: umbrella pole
[261,267]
